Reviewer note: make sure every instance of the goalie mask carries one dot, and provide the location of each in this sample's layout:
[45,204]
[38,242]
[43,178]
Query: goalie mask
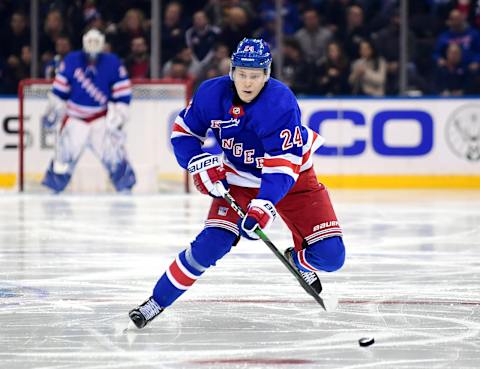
[252,53]
[93,42]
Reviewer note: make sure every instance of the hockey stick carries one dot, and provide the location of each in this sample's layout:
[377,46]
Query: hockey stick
[229,198]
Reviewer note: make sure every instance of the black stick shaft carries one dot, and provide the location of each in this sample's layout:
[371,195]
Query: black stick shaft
[278,254]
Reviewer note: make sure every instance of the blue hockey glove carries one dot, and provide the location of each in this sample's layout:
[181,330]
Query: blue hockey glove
[260,214]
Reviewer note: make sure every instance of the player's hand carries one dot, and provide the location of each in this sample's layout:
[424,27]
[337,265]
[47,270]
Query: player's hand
[206,170]
[49,120]
[260,214]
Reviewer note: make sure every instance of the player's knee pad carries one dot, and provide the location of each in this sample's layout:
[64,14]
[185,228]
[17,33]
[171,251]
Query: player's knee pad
[55,181]
[122,176]
[327,254]
[211,245]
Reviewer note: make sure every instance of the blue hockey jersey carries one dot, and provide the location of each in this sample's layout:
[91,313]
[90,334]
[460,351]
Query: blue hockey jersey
[264,143]
[87,88]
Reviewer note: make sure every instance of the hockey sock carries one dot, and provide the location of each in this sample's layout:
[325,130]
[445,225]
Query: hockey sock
[178,278]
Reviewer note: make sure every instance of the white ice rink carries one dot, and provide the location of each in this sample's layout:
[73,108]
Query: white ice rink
[72,266]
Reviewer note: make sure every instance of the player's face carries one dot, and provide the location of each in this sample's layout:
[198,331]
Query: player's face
[248,82]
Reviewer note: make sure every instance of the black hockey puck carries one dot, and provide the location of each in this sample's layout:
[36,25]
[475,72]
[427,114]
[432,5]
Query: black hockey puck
[366,341]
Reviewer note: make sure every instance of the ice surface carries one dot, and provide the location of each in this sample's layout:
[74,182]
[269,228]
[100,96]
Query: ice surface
[73,266]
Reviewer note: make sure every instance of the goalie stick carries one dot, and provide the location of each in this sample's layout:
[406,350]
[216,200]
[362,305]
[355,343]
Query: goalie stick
[229,198]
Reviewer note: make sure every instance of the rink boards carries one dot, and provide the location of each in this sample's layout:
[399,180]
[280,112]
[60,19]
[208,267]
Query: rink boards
[370,143]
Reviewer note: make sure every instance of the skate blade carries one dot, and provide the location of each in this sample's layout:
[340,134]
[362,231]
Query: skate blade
[130,327]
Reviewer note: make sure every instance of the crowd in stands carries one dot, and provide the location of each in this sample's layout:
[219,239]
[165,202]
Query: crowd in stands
[330,47]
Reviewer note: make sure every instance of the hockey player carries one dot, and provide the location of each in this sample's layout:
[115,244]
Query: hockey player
[89,104]
[267,167]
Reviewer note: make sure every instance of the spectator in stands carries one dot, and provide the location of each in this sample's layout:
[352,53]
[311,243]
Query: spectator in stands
[313,37]
[471,11]
[334,13]
[452,78]
[131,26]
[215,11]
[138,60]
[15,36]
[17,68]
[83,15]
[354,32]
[378,12]
[387,42]
[268,29]
[173,31]
[236,27]
[178,71]
[189,60]
[291,17]
[53,29]
[93,19]
[62,47]
[201,37]
[218,65]
[466,37]
[369,72]
[296,71]
[331,72]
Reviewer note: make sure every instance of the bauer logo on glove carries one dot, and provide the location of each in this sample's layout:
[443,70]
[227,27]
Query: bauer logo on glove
[260,214]
[206,170]
[199,165]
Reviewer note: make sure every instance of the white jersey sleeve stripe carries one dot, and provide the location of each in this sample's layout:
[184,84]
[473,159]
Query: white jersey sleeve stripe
[313,143]
[61,84]
[294,159]
[180,128]
[122,92]
[61,79]
[239,177]
[121,85]
[281,170]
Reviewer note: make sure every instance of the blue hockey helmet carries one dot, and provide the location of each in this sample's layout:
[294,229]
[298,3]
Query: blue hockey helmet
[252,53]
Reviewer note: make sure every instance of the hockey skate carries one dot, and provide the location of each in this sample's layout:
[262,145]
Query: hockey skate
[145,313]
[310,277]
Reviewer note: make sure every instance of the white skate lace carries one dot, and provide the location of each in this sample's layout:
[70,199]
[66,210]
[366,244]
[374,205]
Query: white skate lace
[309,277]
[150,309]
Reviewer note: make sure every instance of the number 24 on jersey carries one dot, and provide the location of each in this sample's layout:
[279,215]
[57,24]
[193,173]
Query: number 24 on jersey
[289,140]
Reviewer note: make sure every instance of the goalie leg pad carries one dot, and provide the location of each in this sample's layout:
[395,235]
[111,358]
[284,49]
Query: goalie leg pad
[122,176]
[55,181]
[327,254]
[209,246]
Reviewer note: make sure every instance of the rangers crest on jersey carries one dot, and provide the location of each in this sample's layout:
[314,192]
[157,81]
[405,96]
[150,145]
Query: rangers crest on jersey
[216,123]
